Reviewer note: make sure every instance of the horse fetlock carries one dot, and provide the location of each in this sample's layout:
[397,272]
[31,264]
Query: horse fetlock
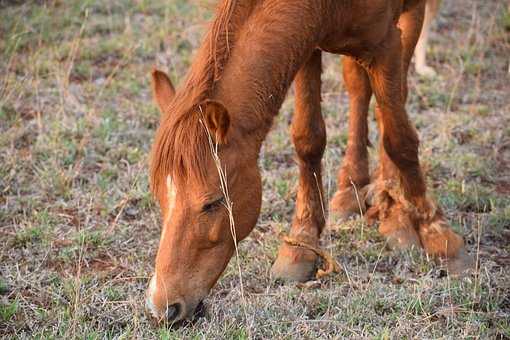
[399,229]
[347,203]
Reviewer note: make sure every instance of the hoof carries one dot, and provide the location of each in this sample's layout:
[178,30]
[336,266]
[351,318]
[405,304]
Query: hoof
[294,264]
[426,71]
[343,216]
[344,204]
[461,264]
[399,231]
[402,238]
[440,241]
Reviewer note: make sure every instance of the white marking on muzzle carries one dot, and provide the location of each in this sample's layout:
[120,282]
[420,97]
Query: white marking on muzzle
[148,301]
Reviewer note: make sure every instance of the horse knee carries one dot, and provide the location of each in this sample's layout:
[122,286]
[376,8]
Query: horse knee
[310,142]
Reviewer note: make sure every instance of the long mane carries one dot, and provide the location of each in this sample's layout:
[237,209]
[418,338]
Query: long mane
[180,147]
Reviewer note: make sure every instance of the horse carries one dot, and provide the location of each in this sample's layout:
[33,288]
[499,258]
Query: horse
[203,169]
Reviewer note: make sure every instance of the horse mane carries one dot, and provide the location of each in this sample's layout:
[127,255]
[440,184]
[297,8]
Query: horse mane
[181,144]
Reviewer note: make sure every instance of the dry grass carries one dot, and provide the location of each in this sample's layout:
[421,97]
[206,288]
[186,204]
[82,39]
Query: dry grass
[79,229]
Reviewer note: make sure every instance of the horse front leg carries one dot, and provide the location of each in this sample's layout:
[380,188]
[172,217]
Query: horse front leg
[408,217]
[309,137]
[353,174]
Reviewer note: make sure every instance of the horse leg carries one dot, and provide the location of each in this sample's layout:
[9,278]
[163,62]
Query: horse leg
[354,173]
[399,228]
[410,24]
[309,137]
[407,215]
[421,48]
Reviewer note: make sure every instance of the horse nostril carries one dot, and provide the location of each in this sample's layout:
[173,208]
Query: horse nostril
[173,311]
[200,310]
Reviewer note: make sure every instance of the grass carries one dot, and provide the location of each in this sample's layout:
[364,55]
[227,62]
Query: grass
[79,228]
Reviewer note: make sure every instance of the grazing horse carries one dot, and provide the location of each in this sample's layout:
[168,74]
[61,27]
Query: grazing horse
[205,153]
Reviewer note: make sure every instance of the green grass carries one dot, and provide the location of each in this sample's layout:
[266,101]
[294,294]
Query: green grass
[80,230]
[8,311]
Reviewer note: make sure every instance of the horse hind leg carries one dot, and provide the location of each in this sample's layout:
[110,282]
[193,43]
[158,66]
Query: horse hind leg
[407,215]
[435,234]
[398,227]
[309,137]
[353,174]
[421,48]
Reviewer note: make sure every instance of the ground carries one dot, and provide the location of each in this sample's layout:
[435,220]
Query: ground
[79,228]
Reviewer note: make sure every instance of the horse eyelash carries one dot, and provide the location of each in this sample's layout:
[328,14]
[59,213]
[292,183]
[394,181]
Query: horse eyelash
[212,205]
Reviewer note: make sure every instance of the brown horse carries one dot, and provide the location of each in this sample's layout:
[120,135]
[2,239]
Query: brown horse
[212,129]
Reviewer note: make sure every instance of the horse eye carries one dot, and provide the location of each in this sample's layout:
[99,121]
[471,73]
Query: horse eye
[211,206]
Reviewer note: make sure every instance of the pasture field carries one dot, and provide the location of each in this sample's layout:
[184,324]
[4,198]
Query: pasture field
[79,229]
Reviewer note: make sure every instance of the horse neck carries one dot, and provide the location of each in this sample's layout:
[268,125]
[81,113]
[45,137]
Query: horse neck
[270,48]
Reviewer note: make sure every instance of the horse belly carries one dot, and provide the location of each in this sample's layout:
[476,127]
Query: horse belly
[361,26]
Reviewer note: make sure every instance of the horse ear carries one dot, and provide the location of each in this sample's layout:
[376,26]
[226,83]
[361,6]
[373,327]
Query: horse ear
[162,89]
[217,119]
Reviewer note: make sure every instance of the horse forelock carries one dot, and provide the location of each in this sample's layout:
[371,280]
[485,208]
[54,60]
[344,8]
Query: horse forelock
[181,145]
